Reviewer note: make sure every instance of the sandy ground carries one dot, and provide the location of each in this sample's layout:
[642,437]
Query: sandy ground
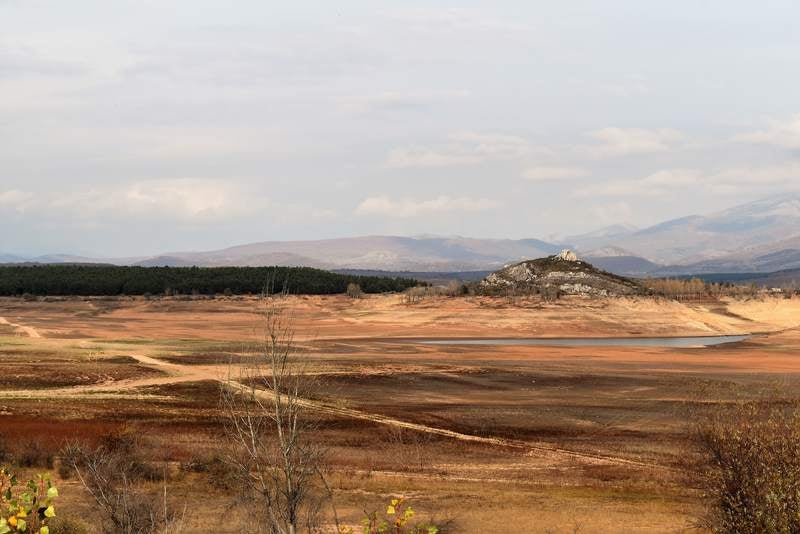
[388,316]
[547,437]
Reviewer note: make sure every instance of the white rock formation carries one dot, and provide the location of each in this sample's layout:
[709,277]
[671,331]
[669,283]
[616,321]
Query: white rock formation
[566,255]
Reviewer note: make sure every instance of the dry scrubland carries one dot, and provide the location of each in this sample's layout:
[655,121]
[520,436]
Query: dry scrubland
[493,439]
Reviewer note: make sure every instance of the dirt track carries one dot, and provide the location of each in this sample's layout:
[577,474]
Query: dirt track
[28,330]
[177,373]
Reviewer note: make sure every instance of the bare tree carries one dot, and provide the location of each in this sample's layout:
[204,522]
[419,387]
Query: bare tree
[273,455]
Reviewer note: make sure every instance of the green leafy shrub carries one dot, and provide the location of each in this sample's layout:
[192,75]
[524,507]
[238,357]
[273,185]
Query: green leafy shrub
[26,507]
[396,520]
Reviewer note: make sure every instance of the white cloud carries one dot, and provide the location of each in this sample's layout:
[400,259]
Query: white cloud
[626,87]
[401,158]
[754,180]
[553,174]
[462,148]
[652,185]
[436,20]
[735,180]
[189,200]
[408,207]
[785,134]
[612,213]
[395,102]
[16,199]
[671,178]
[655,184]
[627,141]
[18,61]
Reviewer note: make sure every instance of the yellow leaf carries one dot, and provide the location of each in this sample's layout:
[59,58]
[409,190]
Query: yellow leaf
[50,512]
[12,521]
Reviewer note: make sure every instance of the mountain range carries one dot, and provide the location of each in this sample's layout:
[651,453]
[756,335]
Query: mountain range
[760,236]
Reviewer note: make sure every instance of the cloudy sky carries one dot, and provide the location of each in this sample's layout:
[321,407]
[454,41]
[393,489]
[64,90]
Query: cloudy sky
[138,126]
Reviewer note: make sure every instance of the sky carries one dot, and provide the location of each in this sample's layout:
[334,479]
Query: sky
[133,127]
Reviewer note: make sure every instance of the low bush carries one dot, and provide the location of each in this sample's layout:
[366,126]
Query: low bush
[752,480]
[35,453]
[220,473]
[68,525]
[354,291]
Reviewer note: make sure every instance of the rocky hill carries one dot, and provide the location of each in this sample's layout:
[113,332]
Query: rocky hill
[561,274]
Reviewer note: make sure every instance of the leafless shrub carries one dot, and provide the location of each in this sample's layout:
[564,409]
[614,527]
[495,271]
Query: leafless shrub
[408,448]
[34,453]
[276,462]
[216,467]
[753,476]
[113,475]
[550,293]
[696,289]
[416,294]
[413,295]
[354,291]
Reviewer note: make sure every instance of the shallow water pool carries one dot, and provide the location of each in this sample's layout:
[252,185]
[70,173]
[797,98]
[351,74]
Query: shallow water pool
[678,342]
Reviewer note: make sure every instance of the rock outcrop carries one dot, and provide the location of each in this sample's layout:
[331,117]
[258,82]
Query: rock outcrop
[566,255]
[561,274]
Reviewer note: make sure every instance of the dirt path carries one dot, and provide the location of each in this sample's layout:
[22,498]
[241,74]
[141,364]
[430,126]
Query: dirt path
[29,330]
[177,373]
[530,448]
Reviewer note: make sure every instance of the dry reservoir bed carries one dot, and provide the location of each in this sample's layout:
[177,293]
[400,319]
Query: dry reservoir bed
[544,438]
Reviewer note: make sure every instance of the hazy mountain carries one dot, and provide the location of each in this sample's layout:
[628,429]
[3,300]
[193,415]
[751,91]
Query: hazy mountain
[375,252]
[164,261]
[10,258]
[433,277]
[785,278]
[599,237]
[624,265]
[738,263]
[760,236]
[696,238]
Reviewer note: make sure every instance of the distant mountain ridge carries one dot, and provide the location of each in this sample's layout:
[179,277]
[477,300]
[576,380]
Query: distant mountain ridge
[728,235]
[760,236]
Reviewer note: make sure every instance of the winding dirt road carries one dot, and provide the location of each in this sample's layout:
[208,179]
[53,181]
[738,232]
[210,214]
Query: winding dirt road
[176,374]
[28,330]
